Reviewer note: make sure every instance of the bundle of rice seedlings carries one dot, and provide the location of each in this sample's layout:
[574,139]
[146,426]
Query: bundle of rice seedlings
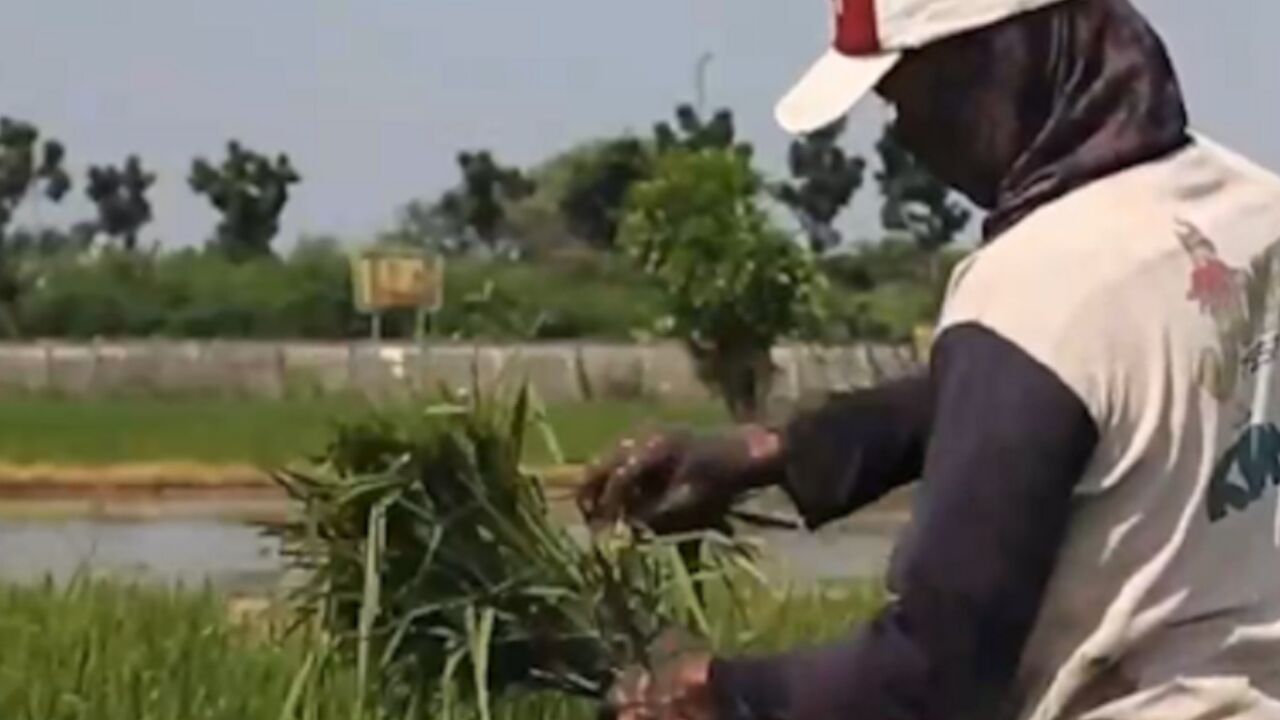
[432,558]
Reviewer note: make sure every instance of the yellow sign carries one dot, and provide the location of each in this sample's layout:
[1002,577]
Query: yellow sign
[389,278]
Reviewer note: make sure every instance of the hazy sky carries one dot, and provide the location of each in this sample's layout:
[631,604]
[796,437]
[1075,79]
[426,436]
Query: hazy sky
[373,98]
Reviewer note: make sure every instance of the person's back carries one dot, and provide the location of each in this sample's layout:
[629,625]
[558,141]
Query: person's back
[1155,295]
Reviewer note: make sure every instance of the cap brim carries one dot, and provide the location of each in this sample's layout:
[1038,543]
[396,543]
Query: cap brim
[831,88]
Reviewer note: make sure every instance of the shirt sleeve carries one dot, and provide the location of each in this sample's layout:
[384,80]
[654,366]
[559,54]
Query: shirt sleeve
[1010,441]
[855,448]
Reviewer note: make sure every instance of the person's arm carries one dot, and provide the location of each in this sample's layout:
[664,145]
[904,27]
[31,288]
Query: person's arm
[855,448]
[1010,441]
[831,460]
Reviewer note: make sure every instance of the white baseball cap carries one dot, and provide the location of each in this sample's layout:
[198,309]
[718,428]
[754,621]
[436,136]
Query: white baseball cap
[870,38]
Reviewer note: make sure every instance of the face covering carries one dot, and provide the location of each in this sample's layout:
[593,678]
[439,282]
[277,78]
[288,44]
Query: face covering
[1022,112]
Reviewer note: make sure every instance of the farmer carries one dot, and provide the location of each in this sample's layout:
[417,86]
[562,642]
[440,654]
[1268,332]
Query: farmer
[1097,533]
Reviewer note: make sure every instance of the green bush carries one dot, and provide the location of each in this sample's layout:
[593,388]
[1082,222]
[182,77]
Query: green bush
[307,294]
[733,282]
[191,293]
[580,297]
[882,292]
[878,293]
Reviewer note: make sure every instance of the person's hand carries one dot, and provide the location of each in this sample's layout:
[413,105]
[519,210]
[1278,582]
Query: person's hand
[678,481]
[677,688]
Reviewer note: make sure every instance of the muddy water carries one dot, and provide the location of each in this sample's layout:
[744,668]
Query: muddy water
[193,549]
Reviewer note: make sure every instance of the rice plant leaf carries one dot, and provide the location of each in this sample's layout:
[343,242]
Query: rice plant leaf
[475,376]
[369,605]
[480,636]
[301,680]
[543,421]
[448,686]
[519,419]
[372,486]
[445,410]
[688,593]
[751,569]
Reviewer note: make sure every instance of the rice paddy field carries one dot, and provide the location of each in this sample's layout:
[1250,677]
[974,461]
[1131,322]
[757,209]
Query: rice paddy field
[261,432]
[416,530]
[105,650]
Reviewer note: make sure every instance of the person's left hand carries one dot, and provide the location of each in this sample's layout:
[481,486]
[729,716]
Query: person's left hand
[677,688]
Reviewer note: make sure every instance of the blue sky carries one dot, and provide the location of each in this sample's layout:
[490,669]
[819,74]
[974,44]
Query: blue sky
[373,98]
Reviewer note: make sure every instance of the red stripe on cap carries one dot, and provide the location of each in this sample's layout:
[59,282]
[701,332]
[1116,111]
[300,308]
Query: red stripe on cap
[856,31]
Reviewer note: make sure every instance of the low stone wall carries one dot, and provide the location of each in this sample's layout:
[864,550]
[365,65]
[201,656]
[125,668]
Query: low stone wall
[560,372]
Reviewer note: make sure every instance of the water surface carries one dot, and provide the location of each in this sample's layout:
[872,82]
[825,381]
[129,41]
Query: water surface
[238,556]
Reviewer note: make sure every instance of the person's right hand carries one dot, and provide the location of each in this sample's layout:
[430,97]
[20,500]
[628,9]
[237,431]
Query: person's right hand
[679,481]
[676,688]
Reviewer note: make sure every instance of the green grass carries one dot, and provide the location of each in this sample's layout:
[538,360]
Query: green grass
[113,652]
[263,432]
[142,429]
[100,650]
[586,429]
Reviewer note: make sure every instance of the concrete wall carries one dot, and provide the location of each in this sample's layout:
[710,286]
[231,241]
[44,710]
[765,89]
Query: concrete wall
[568,371]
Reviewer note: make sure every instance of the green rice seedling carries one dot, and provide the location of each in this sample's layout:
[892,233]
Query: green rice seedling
[101,650]
[433,562]
[107,650]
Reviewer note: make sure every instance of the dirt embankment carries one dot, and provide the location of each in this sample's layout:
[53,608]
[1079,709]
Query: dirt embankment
[144,481]
[170,480]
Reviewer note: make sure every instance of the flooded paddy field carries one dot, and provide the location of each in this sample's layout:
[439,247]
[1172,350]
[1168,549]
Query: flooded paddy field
[223,540]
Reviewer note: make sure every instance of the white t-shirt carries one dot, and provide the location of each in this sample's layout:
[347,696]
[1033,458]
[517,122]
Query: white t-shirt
[1154,295]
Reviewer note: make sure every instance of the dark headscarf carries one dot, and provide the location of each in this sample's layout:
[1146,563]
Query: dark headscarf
[1025,111]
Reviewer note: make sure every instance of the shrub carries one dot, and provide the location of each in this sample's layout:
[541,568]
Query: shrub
[733,283]
[879,292]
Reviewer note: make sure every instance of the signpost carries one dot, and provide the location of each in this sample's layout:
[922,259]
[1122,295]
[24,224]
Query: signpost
[389,278]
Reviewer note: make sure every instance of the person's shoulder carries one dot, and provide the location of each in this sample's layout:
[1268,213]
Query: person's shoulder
[1212,156]
[1123,230]
[1106,276]
[1064,256]
[1069,282]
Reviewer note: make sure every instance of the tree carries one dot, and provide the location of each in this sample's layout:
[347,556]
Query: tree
[734,283]
[250,191]
[424,224]
[691,132]
[29,243]
[120,195]
[915,203]
[477,211]
[825,179]
[594,200]
[26,164]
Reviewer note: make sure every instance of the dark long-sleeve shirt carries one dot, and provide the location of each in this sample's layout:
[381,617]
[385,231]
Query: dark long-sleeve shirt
[1000,443]
[858,446]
